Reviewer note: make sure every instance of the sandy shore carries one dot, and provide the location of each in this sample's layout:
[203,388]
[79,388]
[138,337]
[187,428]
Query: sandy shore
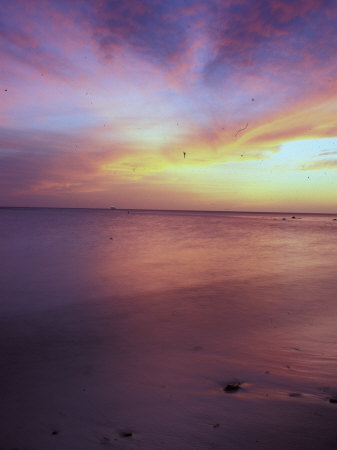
[146,374]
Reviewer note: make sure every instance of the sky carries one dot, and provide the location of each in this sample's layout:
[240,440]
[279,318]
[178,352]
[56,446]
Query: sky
[180,104]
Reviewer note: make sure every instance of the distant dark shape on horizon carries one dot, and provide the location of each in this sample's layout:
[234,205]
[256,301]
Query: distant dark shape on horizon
[184,154]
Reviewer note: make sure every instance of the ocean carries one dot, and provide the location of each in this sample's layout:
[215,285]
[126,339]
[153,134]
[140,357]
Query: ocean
[125,329]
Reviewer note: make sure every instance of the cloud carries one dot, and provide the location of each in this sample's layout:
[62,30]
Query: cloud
[320,165]
[328,153]
[218,41]
[31,161]
[270,39]
[40,38]
[105,92]
[156,30]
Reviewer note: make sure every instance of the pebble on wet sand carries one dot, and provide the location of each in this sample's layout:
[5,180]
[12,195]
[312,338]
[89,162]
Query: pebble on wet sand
[232,387]
[125,434]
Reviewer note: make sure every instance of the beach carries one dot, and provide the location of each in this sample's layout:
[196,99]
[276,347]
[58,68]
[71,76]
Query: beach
[167,330]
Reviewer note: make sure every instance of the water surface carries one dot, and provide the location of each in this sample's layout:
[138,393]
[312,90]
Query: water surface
[114,321]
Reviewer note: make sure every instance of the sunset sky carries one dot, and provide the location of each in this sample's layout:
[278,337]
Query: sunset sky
[180,104]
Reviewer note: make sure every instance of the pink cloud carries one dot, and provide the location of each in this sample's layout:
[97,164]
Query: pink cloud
[321,165]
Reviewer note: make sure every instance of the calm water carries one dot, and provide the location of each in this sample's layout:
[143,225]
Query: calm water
[114,321]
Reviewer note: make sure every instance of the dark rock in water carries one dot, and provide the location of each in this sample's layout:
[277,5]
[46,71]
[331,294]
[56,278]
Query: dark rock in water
[55,432]
[232,387]
[293,217]
[283,218]
[125,434]
[217,425]
[333,400]
[295,394]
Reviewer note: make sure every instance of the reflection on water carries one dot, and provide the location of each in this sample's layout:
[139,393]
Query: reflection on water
[122,253]
[169,307]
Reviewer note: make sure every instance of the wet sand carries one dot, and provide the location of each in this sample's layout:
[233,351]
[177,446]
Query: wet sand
[150,373]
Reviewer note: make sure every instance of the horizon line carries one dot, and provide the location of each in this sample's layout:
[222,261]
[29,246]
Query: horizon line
[170,210]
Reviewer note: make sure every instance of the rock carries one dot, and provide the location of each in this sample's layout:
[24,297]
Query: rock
[55,432]
[125,434]
[232,387]
[295,394]
[333,400]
